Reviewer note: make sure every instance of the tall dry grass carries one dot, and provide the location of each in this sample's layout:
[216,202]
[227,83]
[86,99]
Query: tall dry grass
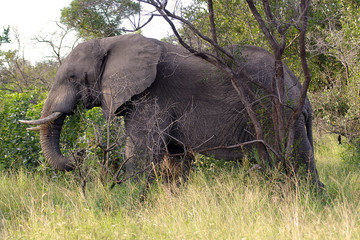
[214,204]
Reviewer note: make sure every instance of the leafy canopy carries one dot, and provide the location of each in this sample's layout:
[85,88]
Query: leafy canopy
[98,18]
[4,37]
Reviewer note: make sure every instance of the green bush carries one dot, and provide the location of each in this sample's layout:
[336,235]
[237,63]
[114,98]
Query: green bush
[351,155]
[19,147]
[89,132]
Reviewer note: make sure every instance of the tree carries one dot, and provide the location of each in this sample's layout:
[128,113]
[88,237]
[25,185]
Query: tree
[234,23]
[4,38]
[98,18]
[58,42]
[19,75]
[287,14]
[275,21]
[335,52]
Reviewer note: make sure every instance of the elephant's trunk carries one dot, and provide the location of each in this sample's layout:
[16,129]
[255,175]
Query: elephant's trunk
[49,140]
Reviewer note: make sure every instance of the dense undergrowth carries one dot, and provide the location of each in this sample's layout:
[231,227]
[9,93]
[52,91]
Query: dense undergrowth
[217,202]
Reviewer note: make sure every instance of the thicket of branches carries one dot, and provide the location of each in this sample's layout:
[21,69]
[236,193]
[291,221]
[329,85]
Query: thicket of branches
[275,27]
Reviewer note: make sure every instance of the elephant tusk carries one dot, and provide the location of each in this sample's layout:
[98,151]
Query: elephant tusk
[49,118]
[37,128]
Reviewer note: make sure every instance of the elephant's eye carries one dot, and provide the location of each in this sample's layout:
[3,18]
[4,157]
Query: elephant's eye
[72,78]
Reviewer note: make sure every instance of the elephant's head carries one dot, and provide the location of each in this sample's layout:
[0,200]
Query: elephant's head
[103,72]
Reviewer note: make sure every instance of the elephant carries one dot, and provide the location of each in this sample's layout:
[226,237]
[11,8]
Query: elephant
[171,100]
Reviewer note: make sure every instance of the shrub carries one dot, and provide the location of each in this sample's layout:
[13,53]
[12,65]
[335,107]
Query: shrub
[19,147]
[351,155]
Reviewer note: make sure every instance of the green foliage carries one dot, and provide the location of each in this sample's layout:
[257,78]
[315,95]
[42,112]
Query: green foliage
[90,132]
[352,154]
[4,37]
[334,35]
[337,112]
[19,147]
[326,71]
[234,23]
[335,67]
[94,18]
[210,164]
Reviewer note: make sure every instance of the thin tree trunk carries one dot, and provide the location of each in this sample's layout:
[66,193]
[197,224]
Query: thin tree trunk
[212,24]
[278,84]
[304,7]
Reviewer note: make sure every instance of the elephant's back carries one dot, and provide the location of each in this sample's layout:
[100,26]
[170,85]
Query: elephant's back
[258,65]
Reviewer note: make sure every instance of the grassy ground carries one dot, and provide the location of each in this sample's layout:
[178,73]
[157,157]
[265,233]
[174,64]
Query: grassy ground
[214,204]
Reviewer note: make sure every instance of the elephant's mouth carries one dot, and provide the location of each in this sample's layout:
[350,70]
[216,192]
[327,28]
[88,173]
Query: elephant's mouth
[90,102]
[50,128]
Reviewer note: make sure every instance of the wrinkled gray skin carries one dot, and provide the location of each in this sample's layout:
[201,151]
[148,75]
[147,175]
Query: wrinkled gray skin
[170,99]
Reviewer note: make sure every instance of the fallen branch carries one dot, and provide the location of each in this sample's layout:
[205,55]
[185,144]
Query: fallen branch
[231,147]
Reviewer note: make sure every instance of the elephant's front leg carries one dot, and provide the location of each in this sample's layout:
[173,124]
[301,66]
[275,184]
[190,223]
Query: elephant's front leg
[147,128]
[142,156]
[130,155]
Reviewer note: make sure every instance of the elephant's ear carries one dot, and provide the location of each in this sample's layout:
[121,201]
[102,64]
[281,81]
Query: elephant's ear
[129,69]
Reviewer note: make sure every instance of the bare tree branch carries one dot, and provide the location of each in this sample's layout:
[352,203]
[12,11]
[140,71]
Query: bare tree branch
[136,28]
[212,24]
[262,25]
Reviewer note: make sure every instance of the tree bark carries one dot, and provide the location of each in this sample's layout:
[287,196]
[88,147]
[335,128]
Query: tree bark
[212,24]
